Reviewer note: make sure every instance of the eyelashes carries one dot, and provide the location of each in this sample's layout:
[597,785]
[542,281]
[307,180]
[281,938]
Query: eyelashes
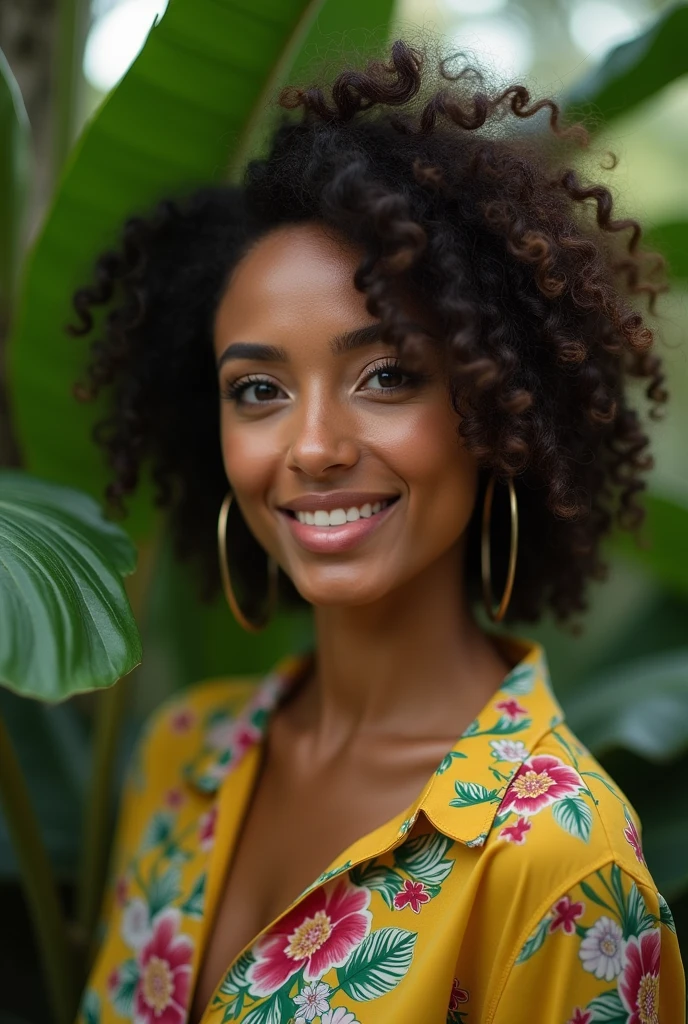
[234,391]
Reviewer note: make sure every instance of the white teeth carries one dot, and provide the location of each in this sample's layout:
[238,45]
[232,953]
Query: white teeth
[339,516]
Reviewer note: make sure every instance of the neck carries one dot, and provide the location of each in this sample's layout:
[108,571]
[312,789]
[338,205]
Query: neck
[414,663]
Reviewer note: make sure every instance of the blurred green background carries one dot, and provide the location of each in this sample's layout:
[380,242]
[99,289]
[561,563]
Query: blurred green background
[101,145]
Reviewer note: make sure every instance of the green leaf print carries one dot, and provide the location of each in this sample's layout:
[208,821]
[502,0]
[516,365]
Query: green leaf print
[448,760]
[379,878]
[469,793]
[378,964]
[90,1007]
[505,726]
[665,915]
[158,830]
[193,904]
[520,681]
[235,979]
[574,816]
[278,1009]
[534,942]
[608,1009]
[164,889]
[424,858]
[637,918]
[123,995]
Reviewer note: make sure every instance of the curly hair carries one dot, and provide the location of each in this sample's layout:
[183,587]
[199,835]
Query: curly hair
[446,191]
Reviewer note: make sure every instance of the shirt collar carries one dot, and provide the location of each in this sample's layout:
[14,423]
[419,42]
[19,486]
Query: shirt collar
[462,797]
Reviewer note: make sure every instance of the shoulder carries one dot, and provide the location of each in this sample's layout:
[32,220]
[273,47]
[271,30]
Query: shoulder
[183,723]
[563,817]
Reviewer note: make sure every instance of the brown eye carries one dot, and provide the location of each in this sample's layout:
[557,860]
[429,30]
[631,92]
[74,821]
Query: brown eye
[389,377]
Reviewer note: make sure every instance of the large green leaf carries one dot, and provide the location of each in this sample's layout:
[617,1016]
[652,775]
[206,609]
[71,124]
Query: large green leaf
[65,621]
[671,239]
[634,71]
[53,749]
[14,162]
[641,706]
[191,105]
[664,548]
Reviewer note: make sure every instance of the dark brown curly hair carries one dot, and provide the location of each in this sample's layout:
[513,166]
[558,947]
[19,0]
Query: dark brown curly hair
[446,191]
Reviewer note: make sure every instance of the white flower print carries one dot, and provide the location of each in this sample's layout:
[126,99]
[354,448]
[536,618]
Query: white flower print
[136,925]
[312,1000]
[339,1016]
[602,949]
[510,750]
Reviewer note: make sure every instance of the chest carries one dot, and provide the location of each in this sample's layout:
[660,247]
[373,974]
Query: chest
[293,830]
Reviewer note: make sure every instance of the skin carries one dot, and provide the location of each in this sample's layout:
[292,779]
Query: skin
[402,668]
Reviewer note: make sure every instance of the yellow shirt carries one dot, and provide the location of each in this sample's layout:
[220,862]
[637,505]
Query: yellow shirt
[513,891]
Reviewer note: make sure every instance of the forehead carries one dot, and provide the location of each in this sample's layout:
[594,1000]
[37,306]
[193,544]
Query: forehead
[299,276]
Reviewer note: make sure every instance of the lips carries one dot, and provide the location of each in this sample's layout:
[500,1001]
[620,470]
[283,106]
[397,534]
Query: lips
[332,539]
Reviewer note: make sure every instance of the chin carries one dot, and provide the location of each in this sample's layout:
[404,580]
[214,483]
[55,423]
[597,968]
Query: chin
[339,592]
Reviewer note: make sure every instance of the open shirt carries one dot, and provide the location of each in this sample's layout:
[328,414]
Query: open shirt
[513,891]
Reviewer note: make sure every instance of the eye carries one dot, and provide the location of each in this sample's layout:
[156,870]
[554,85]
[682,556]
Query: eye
[390,378]
[251,390]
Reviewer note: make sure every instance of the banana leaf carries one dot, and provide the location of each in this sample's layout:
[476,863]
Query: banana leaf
[14,162]
[664,548]
[192,105]
[633,71]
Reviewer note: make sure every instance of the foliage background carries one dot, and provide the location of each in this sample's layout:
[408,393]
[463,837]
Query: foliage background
[623,680]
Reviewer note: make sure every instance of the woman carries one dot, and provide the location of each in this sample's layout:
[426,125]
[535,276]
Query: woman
[420,333]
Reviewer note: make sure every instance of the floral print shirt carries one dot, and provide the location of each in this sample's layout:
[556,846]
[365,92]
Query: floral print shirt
[513,890]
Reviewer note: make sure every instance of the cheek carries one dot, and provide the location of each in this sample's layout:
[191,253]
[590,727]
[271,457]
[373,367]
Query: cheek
[427,452]
[250,457]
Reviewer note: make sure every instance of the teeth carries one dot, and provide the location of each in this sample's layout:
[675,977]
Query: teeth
[339,516]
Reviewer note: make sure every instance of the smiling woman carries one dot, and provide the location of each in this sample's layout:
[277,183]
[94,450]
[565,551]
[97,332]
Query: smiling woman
[402,305]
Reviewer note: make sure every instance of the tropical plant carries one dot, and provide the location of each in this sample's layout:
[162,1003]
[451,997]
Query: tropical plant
[190,110]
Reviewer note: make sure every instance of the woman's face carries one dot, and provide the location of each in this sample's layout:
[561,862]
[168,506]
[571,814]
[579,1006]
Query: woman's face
[349,472]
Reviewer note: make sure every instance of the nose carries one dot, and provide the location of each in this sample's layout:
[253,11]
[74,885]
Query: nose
[323,439]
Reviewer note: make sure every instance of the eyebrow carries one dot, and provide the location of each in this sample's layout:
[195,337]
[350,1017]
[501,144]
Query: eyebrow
[347,341]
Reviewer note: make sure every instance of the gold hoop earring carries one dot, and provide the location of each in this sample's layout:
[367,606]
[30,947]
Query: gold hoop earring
[485,552]
[244,622]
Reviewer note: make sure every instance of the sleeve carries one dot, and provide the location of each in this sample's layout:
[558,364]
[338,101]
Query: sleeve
[595,955]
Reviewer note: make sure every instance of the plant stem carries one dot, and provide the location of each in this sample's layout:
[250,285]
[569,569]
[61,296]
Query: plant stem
[39,883]
[72,25]
[110,708]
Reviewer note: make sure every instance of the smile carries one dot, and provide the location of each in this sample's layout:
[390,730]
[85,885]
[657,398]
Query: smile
[339,516]
[338,529]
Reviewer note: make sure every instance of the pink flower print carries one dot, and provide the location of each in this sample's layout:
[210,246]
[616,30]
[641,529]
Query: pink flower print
[539,782]
[411,894]
[162,991]
[512,709]
[632,837]
[121,890]
[319,933]
[182,720]
[516,833]
[206,829]
[174,798]
[580,1016]
[113,979]
[639,980]
[566,914]
[458,995]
